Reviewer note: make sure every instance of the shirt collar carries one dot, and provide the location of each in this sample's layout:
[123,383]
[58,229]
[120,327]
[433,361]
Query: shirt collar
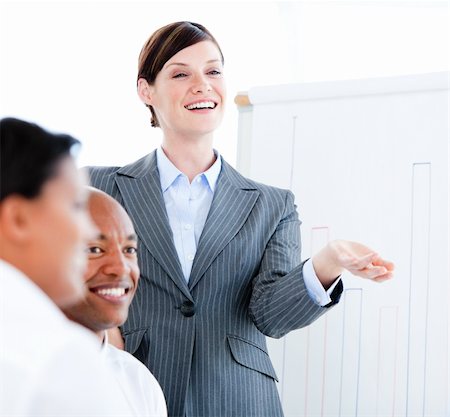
[212,174]
[104,345]
[168,172]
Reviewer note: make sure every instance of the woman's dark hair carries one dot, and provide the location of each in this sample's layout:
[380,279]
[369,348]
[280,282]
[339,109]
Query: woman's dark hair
[164,44]
[29,157]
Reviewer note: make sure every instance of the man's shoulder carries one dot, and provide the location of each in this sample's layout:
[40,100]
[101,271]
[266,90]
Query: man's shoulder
[141,387]
[122,356]
[124,361]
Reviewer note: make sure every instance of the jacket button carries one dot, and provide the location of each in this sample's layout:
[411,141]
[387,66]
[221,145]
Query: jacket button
[188,308]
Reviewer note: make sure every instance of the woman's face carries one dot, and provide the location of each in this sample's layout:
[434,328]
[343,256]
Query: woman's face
[188,94]
[60,227]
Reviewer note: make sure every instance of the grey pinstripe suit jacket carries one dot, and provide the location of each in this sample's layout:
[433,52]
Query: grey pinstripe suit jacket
[204,340]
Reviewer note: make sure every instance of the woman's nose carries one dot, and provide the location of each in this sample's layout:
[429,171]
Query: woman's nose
[201,85]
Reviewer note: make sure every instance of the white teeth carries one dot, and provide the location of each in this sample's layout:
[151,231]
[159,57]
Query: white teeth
[112,292]
[201,105]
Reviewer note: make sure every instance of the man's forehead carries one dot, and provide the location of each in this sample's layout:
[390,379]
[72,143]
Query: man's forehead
[107,212]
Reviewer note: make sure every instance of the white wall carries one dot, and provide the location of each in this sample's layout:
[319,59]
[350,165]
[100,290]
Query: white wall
[71,65]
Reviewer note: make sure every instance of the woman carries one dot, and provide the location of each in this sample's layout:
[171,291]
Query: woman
[219,254]
[49,366]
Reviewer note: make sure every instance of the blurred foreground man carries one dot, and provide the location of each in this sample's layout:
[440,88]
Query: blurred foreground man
[111,279]
[49,366]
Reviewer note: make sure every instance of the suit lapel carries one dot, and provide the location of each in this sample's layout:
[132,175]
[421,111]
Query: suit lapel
[140,187]
[233,201]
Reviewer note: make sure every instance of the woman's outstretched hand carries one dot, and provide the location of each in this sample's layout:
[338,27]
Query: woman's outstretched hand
[340,255]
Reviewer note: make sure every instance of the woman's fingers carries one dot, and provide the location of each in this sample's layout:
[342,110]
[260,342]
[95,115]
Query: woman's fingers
[353,261]
[382,262]
[375,273]
[384,277]
[361,261]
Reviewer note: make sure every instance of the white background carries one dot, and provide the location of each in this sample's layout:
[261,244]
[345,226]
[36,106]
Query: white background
[71,66]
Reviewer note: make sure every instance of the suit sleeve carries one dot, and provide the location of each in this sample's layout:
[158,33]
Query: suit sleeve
[280,301]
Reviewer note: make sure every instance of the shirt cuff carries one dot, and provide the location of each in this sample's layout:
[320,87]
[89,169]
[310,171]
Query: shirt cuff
[314,286]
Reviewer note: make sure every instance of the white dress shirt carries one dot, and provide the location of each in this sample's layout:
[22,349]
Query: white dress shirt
[139,386]
[187,206]
[49,366]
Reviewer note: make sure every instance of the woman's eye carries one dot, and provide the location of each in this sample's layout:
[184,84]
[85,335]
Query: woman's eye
[180,75]
[215,72]
[95,250]
[131,250]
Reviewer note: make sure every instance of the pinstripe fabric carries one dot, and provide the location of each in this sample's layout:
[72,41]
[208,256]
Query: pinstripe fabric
[246,282]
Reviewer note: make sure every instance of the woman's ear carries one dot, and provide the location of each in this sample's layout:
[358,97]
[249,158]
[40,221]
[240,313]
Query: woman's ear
[15,219]
[145,90]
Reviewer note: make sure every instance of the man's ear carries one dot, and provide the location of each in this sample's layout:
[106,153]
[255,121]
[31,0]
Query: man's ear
[145,91]
[16,219]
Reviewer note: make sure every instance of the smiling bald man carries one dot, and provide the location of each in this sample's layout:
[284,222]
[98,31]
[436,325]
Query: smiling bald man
[111,280]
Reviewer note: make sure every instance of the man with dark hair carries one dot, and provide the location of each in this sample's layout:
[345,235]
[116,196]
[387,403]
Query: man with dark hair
[111,280]
[48,365]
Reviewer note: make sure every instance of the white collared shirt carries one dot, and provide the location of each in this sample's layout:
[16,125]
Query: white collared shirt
[49,366]
[138,385]
[187,206]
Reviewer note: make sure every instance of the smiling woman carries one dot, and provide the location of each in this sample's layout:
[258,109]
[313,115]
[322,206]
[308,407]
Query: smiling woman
[219,254]
[187,97]
[167,58]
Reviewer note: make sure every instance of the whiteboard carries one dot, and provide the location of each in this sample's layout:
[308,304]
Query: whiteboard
[367,161]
